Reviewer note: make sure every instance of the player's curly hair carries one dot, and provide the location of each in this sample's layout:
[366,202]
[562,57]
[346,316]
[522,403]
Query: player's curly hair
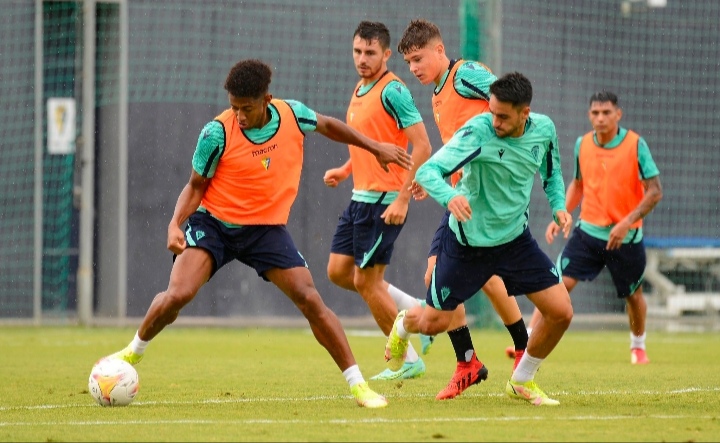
[513,88]
[249,78]
[370,31]
[417,35]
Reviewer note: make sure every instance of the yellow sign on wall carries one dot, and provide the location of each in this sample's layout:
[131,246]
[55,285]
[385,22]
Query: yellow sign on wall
[61,125]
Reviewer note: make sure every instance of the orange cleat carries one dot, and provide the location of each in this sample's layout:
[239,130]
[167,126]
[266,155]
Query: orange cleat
[466,374]
[510,351]
[638,357]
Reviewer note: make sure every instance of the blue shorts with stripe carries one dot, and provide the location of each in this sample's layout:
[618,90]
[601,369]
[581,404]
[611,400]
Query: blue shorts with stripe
[461,271]
[584,256]
[362,234]
[262,247]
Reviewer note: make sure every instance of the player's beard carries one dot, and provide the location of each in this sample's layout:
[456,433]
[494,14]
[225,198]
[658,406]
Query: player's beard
[369,72]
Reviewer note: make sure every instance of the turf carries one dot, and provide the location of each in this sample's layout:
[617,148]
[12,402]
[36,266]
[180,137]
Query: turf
[222,384]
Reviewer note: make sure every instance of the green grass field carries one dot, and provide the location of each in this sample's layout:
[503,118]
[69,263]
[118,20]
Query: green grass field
[212,384]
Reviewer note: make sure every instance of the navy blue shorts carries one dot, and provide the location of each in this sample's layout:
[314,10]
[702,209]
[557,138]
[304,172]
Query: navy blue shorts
[435,243]
[461,271]
[362,234]
[584,256]
[262,247]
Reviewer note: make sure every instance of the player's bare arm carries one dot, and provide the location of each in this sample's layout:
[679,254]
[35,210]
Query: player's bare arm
[385,153]
[188,201]
[335,176]
[653,195]
[396,212]
[573,196]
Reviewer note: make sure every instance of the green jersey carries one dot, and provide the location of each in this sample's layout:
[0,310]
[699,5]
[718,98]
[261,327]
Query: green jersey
[498,176]
[472,80]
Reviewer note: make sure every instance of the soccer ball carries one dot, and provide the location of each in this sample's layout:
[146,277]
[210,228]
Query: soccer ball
[113,382]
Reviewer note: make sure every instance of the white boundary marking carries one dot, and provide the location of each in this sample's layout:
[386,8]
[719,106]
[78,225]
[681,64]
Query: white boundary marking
[89,404]
[355,421]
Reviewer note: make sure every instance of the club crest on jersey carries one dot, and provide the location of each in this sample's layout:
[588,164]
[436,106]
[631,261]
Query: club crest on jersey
[266,163]
[535,151]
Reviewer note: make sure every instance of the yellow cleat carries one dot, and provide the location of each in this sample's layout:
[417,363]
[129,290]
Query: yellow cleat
[366,397]
[396,347]
[128,355]
[530,392]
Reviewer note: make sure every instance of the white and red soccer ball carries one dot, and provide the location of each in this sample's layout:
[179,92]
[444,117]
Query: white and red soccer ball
[113,382]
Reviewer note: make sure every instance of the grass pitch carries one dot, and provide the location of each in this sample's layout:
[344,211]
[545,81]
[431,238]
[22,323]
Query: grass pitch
[217,384]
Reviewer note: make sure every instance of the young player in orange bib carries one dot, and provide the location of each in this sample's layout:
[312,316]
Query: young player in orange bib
[244,179]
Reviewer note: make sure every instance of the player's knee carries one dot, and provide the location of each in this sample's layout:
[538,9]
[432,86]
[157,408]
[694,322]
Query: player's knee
[175,299]
[334,275]
[636,297]
[309,302]
[559,315]
[368,286]
[563,316]
[430,329]
[432,326]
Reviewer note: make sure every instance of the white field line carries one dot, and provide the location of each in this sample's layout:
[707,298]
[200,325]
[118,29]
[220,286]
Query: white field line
[375,420]
[90,404]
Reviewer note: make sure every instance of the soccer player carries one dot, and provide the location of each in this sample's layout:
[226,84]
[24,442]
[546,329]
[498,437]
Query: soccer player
[461,92]
[487,234]
[244,180]
[382,108]
[618,183]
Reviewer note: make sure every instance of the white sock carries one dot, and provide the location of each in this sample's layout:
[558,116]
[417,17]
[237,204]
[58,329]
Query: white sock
[637,342]
[402,299]
[353,375]
[529,331]
[412,355]
[138,346]
[527,368]
[401,330]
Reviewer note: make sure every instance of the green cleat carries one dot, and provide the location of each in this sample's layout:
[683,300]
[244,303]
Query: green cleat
[530,392]
[396,347]
[366,397]
[128,355]
[426,341]
[408,371]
